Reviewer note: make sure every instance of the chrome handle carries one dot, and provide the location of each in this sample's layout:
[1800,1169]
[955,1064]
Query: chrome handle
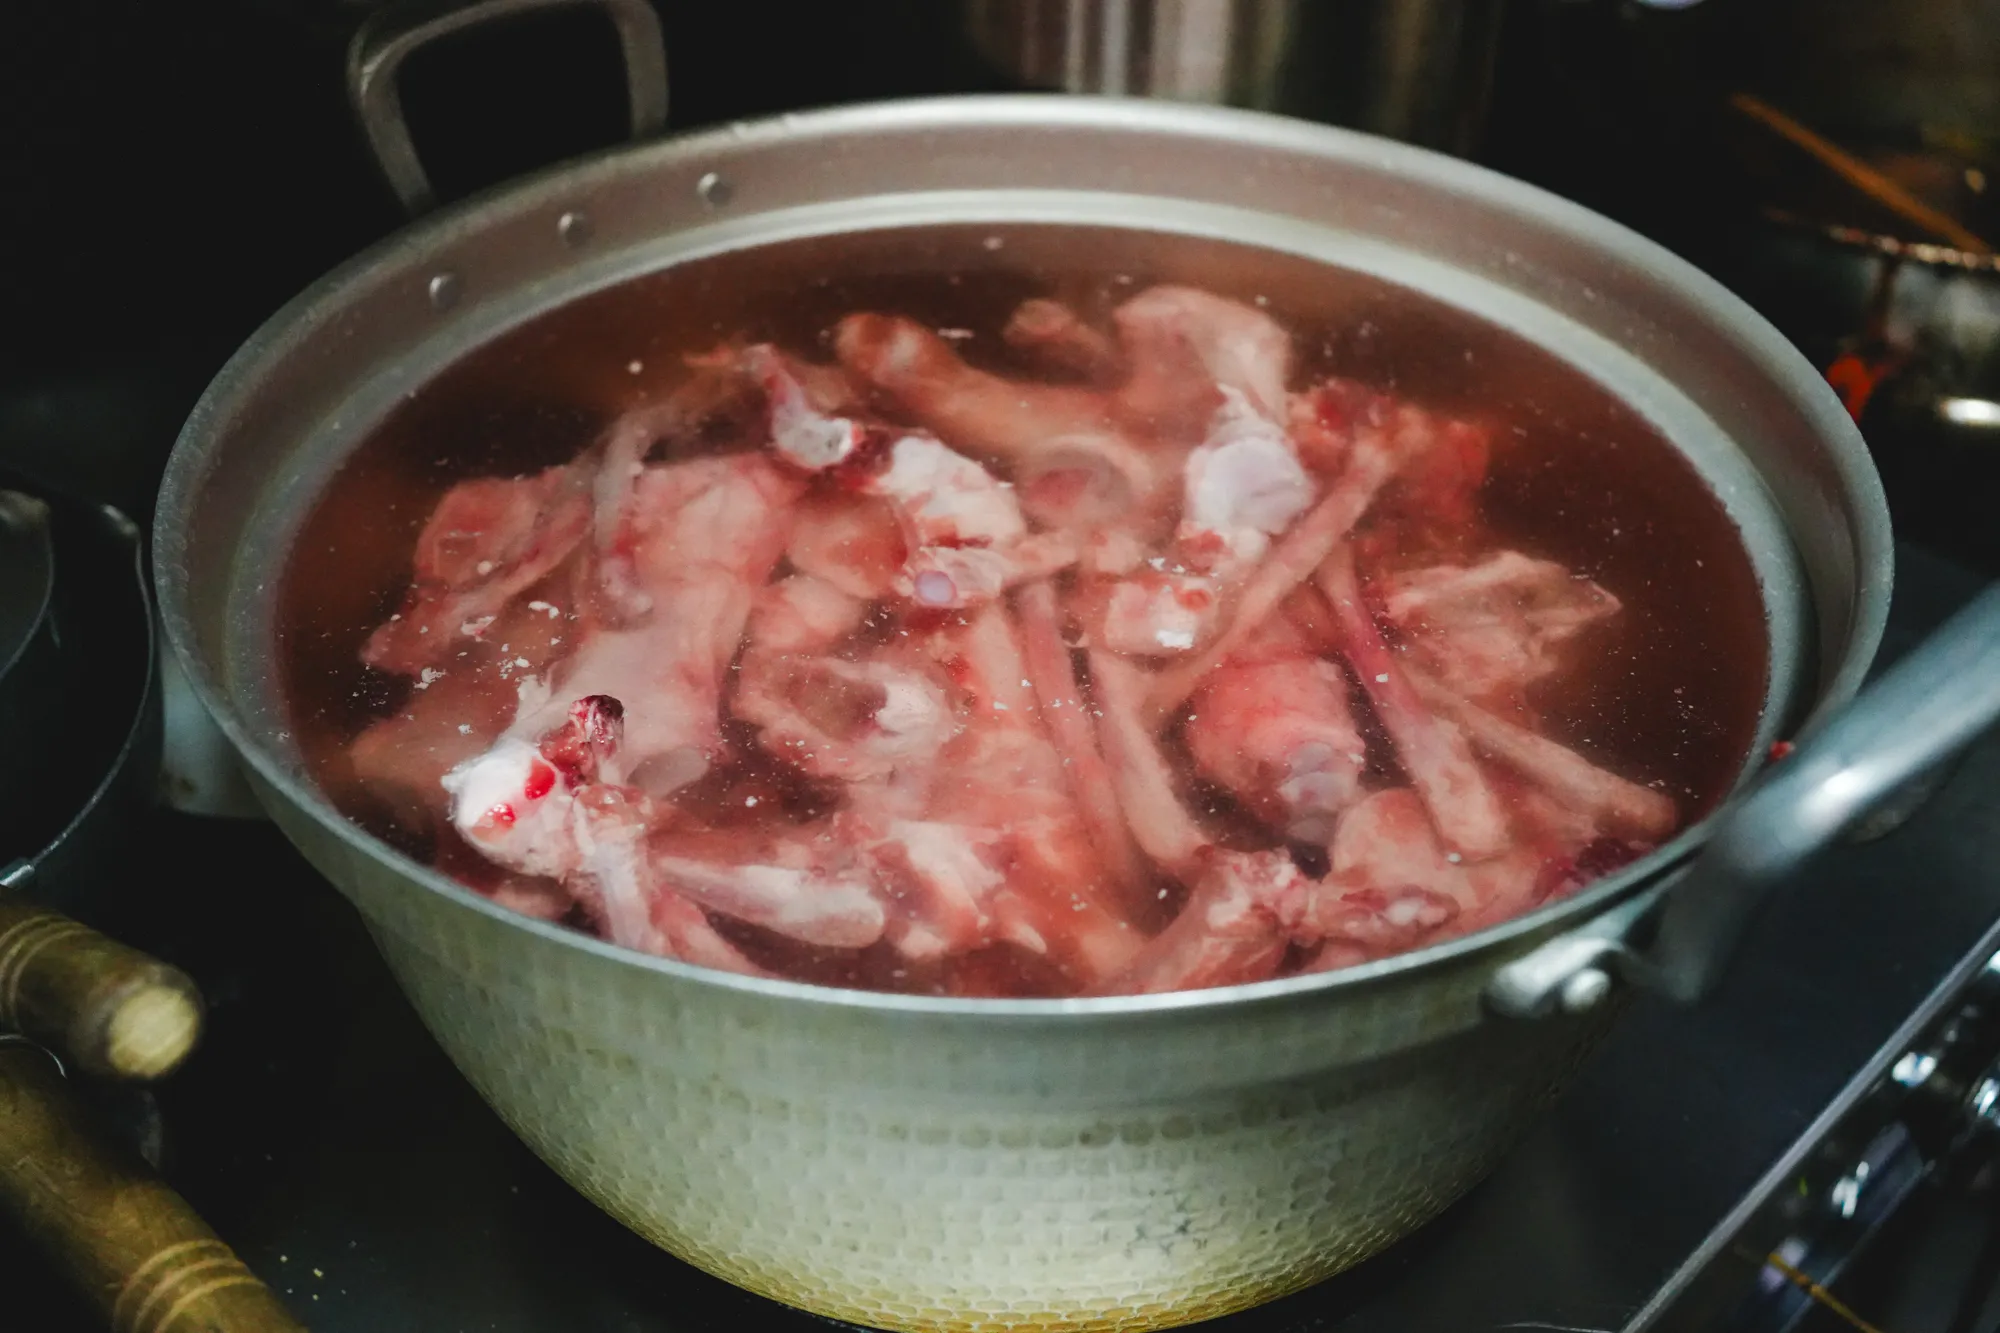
[376,55]
[1920,713]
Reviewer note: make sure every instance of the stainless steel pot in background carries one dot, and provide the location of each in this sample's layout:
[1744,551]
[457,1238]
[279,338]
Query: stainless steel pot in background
[1421,71]
[1415,70]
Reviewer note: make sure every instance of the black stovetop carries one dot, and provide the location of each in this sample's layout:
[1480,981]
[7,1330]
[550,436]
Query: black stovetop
[324,1135]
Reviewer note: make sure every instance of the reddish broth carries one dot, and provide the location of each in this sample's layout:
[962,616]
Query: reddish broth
[1667,691]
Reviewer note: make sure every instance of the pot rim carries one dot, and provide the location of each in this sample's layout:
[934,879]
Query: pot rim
[186,473]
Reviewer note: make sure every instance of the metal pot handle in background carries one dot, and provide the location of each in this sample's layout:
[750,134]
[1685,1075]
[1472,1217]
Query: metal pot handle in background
[1921,712]
[380,46]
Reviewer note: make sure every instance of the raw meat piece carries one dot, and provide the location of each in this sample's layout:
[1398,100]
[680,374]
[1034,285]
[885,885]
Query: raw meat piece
[800,433]
[1139,772]
[552,809]
[1492,628]
[856,719]
[1005,787]
[1064,712]
[1244,485]
[1073,464]
[1185,344]
[1619,806]
[1112,552]
[853,719]
[851,541]
[704,535]
[1393,885]
[940,879]
[1150,614]
[835,718]
[1462,802]
[1272,725]
[1290,563]
[1232,930]
[456,709]
[802,614]
[1432,503]
[1058,337]
[963,529]
[783,888]
[487,540]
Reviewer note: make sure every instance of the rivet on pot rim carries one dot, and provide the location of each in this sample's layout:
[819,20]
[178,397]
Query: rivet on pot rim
[714,190]
[573,227]
[1585,991]
[444,289]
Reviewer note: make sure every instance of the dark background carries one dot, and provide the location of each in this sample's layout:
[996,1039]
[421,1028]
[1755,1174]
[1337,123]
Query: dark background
[173,170]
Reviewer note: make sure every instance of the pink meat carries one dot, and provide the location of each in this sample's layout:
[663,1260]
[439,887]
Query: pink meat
[1244,486]
[552,808]
[1616,804]
[1289,564]
[1140,773]
[1187,345]
[487,540]
[1492,628]
[454,710]
[1232,930]
[1064,711]
[1073,464]
[1462,802]
[703,535]
[1394,885]
[962,527]
[1272,725]
[1056,336]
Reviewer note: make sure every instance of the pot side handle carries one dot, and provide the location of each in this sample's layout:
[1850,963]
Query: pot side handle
[1918,714]
[386,39]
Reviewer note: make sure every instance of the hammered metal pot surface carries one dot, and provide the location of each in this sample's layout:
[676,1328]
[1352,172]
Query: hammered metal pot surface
[917,1163]
[913,1171]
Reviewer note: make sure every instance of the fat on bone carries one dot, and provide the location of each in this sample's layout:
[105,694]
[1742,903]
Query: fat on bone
[1278,733]
[852,720]
[1232,931]
[1058,337]
[487,540]
[1494,626]
[1244,485]
[1073,465]
[703,535]
[1140,775]
[1290,563]
[1184,344]
[1462,803]
[1061,698]
[1620,805]
[803,903]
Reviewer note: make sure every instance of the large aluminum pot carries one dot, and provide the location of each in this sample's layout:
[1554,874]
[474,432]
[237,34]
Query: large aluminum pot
[922,1163]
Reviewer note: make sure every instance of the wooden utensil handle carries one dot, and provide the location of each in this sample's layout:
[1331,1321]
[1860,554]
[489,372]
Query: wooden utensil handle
[103,1007]
[130,1245]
